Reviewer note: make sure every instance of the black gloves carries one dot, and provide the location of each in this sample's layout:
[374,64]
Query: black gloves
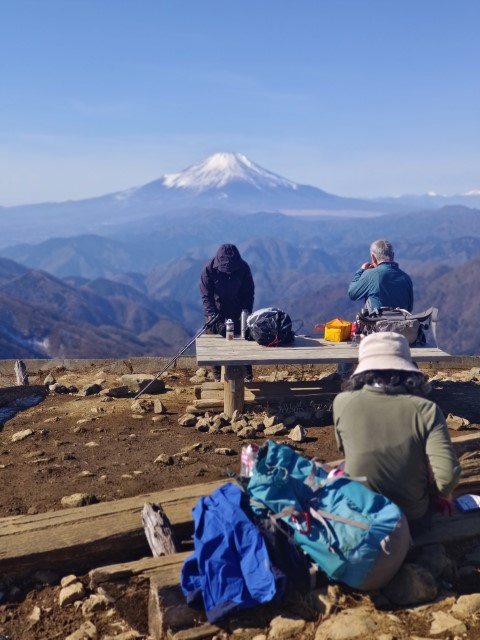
[221,329]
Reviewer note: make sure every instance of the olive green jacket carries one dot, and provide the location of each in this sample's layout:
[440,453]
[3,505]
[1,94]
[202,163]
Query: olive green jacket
[393,440]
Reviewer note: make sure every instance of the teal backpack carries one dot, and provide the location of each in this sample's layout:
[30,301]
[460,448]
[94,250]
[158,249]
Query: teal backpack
[353,534]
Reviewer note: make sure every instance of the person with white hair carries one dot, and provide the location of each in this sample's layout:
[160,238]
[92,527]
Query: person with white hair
[381,283]
[391,434]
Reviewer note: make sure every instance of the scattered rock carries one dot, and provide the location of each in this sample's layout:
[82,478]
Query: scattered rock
[34,617]
[298,434]
[247,432]
[139,382]
[78,500]
[50,379]
[413,584]
[116,392]
[164,458]
[225,451]
[94,603]
[270,421]
[159,407]
[283,628]
[66,581]
[456,422]
[275,430]
[443,622]
[88,631]
[90,390]
[187,420]
[350,623]
[197,380]
[141,406]
[70,594]
[21,435]
[466,606]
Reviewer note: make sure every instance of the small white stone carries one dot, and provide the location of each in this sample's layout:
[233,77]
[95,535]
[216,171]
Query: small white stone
[70,594]
[21,435]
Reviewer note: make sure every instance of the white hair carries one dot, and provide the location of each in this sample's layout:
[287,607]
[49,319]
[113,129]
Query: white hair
[382,250]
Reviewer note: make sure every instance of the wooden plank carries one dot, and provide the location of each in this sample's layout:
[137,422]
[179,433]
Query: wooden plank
[145,567]
[87,536]
[214,350]
[463,526]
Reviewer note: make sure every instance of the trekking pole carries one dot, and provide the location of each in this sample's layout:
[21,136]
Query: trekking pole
[208,324]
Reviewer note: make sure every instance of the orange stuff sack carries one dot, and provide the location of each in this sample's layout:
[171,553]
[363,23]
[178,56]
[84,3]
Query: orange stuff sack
[336,330]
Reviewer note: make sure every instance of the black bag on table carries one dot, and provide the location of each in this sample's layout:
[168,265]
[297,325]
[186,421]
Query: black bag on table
[270,327]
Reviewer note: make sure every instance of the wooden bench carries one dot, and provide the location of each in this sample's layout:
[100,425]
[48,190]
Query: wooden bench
[234,354]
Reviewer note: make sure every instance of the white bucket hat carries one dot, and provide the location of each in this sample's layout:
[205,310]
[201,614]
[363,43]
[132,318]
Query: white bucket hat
[384,350]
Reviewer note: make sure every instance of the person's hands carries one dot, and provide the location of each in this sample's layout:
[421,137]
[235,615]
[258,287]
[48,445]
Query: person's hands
[443,506]
[367,265]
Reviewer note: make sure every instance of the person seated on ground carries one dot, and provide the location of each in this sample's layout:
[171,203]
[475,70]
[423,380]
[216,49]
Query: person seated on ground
[381,283]
[393,435]
[227,288]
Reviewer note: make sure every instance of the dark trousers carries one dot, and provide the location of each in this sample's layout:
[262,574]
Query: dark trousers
[217,371]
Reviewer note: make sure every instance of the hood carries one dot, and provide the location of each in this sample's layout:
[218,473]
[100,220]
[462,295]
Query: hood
[227,258]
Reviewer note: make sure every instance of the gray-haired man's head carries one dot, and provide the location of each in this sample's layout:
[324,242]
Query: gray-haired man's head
[382,250]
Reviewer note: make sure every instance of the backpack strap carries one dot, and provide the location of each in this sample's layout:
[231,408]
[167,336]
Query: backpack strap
[321,515]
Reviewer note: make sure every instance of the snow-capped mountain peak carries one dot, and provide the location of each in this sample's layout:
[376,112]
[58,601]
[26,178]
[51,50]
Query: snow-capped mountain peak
[220,169]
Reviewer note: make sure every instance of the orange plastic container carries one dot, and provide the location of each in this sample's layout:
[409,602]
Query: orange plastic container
[337,330]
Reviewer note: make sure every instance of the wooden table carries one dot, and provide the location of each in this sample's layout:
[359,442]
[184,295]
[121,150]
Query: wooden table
[234,354]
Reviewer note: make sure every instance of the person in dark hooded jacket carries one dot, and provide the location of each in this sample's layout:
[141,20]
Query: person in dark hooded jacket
[227,288]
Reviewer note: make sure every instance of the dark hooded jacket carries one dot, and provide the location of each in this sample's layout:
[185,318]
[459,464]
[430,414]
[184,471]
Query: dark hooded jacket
[226,286]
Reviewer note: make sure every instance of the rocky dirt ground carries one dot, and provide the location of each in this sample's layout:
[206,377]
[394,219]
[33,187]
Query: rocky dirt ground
[96,445]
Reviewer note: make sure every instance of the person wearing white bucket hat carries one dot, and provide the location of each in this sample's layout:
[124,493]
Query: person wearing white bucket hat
[393,435]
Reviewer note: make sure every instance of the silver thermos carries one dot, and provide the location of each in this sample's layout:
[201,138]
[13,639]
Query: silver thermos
[243,322]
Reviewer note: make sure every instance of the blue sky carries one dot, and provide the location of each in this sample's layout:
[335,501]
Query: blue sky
[357,97]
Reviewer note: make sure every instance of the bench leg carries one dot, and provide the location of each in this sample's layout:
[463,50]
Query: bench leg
[234,389]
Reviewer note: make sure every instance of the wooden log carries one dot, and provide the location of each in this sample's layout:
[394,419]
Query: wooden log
[202,632]
[21,373]
[211,394]
[145,568]
[84,537]
[167,607]
[205,405]
[234,389]
[158,530]
[460,527]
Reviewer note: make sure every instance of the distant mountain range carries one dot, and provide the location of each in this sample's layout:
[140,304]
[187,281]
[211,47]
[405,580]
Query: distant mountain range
[223,182]
[118,275]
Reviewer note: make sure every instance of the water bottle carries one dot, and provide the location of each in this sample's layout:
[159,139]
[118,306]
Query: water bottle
[243,322]
[229,329]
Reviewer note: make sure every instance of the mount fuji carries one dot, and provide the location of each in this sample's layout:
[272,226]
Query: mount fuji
[222,182]
[232,181]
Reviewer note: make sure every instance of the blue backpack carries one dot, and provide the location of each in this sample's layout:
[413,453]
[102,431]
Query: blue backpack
[353,534]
